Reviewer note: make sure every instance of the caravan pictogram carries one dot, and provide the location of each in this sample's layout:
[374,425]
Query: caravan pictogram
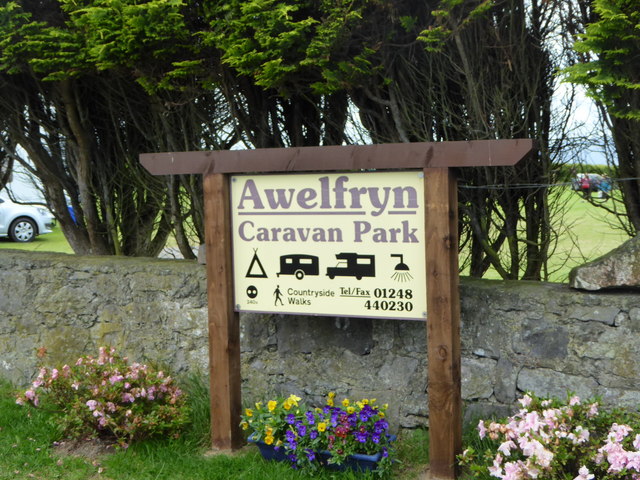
[299,265]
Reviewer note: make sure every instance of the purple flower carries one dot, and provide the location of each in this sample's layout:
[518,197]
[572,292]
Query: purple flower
[385,452]
[353,420]
[311,418]
[375,438]
[361,436]
[290,436]
[334,419]
[302,429]
[380,426]
[310,454]
[313,435]
[290,419]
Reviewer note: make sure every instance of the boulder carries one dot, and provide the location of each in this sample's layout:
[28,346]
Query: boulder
[618,268]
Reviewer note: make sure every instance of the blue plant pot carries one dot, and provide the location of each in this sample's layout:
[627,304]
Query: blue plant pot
[268,452]
[357,462]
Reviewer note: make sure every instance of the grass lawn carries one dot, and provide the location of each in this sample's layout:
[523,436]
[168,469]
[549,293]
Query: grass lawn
[27,451]
[51,242]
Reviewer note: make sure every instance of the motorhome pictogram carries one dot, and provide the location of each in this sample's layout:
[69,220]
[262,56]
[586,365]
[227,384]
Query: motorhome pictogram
[353,265]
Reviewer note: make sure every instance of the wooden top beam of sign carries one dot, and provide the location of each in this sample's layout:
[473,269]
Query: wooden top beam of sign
[476,153]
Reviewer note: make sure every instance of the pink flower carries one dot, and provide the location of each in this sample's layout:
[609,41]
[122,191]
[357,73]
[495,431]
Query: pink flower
[482,430]
[127,397]
[575,400]
[92,404]
[593,410]
[525,401]
[513,471]
[496,469]
[506,447]
[584,474]
[54,374]
[618,432]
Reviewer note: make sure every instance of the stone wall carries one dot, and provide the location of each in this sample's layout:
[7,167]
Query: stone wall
[516,336]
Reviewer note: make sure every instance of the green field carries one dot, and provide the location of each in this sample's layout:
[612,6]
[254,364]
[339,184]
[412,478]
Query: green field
[585,233]
[51,242]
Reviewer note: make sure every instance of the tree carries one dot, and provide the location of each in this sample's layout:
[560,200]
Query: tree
[6,166]
[72,99]
[609,55]
[479,70]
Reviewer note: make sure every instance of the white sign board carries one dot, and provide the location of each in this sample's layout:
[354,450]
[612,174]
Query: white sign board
[346,244]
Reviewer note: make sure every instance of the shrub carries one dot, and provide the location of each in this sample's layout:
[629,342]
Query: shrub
[549,439]
[106,397]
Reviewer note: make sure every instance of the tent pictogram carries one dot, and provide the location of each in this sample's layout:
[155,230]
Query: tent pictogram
[255,260]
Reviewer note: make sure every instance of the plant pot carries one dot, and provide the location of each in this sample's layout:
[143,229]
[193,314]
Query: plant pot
[356,462]
[268,452]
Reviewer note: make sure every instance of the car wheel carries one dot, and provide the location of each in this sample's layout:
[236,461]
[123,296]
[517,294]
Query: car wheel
[22,230]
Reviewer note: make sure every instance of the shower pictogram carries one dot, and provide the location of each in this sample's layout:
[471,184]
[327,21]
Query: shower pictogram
[401,270]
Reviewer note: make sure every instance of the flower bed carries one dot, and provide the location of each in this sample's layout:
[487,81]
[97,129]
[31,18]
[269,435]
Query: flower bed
[546,438]
[106,397]
[354,435]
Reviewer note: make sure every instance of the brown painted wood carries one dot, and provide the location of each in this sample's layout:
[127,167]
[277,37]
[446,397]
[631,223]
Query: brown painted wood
[341,157]
[443,322]
[224,323]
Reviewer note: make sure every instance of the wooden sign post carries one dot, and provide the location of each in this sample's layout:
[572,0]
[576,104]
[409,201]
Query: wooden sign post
[443,301]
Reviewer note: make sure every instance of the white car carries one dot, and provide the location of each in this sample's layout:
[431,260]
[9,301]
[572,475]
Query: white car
[22,223]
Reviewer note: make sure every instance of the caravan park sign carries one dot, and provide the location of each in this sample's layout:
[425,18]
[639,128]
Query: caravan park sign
[343,244]
[381,244]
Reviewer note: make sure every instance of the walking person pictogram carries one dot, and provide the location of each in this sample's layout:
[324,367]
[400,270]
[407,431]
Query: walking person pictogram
[278,295]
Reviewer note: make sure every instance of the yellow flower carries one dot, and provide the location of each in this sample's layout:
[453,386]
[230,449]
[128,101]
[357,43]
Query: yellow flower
[268,431]
[385,406]
[271,405]
[322,426]
[365,401]
[294,399]
[345,402]
[279,443]
[381,414]
[244,425]
[269,439]
[248,412]
[287,404]
[350,410]
[258,405]
[330,398]
[360,405]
